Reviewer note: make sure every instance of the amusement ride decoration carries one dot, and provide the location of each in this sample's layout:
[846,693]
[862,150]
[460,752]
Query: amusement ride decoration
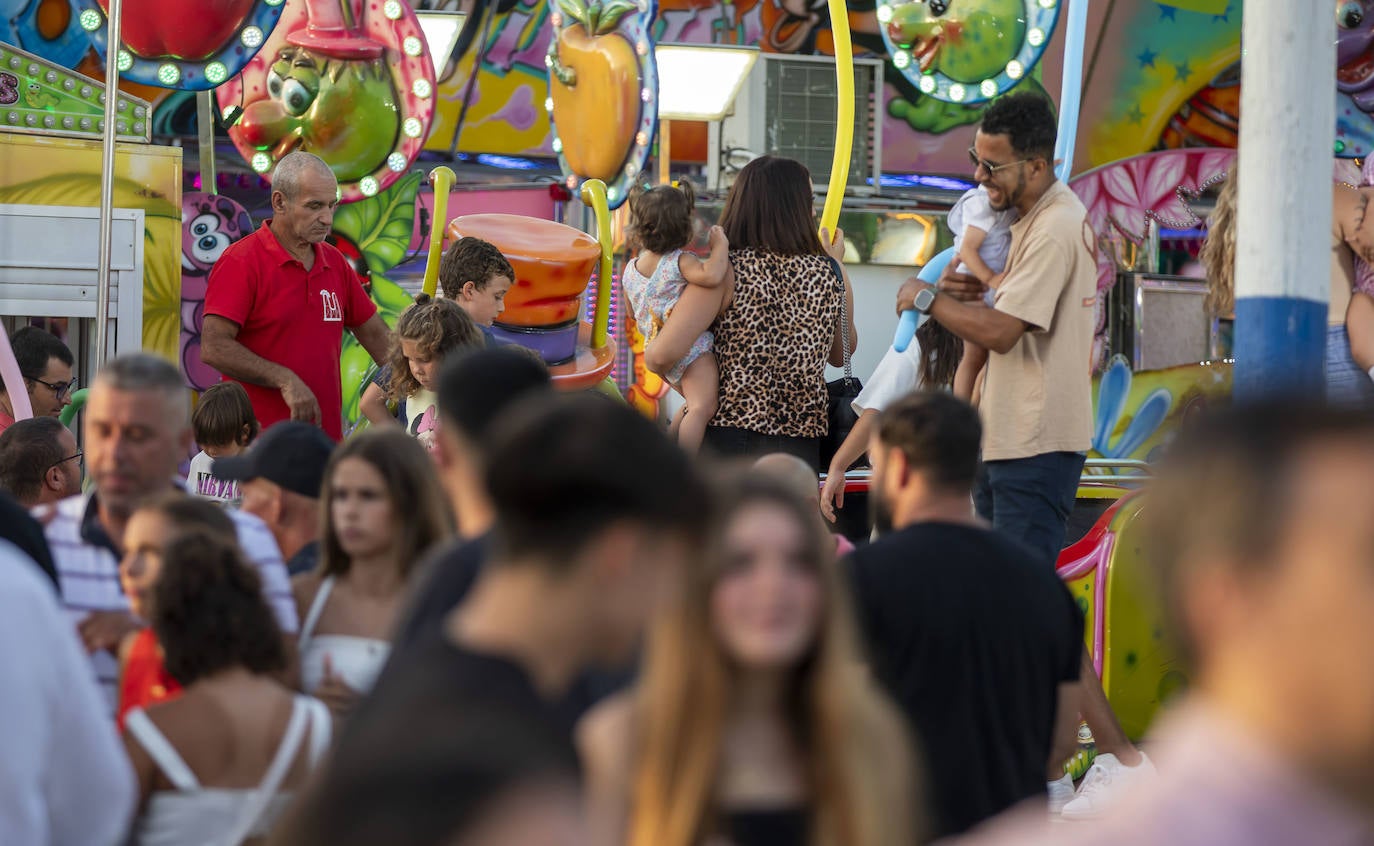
[209,224]
[374,234]
[166,44]
[603,91]
[50,29]
[40,97]
[351,82]
[966,51]
[553,264]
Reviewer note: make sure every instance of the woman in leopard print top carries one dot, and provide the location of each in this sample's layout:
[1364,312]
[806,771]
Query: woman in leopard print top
[776,322]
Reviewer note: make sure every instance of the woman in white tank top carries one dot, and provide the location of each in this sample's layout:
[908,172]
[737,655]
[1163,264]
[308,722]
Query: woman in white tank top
[382,508]
[219,764]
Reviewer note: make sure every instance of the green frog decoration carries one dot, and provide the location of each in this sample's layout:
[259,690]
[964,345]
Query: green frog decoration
[966,51]
[329,92]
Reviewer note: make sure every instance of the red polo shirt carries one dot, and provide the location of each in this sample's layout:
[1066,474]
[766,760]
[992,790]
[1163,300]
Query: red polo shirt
[290,316]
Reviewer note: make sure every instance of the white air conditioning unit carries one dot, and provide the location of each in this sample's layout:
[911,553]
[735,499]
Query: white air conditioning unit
[788,107]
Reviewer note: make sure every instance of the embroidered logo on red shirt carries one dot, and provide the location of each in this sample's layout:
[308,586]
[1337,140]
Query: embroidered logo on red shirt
[333,312]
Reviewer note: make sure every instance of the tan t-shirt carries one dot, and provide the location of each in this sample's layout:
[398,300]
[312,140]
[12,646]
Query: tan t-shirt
[1038,395]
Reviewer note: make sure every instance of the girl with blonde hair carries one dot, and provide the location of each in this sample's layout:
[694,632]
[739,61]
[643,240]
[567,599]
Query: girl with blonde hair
[1350,326]
[754,721]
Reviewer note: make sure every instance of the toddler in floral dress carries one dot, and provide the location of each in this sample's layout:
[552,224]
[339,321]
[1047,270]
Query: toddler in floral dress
[661,227]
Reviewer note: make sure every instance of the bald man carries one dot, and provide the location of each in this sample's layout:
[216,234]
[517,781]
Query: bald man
[799,478]
[279,300]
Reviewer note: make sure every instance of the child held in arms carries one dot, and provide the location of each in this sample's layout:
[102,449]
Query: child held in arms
[982,241]
[660,229]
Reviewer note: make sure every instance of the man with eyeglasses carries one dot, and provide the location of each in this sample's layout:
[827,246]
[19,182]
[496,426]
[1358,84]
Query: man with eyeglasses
[1037,394]
[137,428]
[39,462]
[46,365]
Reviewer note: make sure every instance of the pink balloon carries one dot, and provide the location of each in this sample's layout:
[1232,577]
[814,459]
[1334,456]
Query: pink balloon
[14,381]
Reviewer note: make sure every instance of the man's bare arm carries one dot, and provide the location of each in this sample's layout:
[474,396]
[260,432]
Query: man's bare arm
[986,327]
[220,348]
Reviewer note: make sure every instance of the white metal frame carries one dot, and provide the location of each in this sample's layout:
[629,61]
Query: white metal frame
[50,267]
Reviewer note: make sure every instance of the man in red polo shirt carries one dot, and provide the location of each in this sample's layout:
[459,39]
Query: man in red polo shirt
[279,300]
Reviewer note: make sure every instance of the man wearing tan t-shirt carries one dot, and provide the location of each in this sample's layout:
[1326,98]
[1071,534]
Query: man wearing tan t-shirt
[1037,397]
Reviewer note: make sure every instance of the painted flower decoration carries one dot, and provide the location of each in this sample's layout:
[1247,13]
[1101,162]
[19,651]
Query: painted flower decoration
[1125,198]
[1113,393]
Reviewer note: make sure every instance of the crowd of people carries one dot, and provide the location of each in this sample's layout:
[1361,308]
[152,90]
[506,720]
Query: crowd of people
[504,614]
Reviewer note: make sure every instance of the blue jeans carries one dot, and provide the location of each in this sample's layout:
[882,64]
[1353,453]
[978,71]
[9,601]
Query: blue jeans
[1029,499]
[1346,383]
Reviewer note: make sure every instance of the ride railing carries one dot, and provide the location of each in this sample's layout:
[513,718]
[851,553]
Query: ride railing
[1098,472]
[1114,471]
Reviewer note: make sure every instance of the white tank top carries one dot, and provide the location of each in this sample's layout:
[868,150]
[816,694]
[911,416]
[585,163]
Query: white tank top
[221,816]
[355,660]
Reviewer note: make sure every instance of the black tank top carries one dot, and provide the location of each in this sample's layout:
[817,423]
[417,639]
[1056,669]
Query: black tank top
[767,827]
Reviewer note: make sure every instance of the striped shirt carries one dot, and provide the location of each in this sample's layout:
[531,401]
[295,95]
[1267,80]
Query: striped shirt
[88,572]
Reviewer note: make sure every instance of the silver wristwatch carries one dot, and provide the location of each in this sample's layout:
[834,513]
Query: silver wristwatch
[925,298]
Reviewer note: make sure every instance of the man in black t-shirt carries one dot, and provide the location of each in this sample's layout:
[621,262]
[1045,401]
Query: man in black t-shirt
[973,636]
[578,556]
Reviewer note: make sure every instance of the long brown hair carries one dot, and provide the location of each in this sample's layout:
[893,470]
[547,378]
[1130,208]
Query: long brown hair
[420,512]
[941,350]
[1219,250]
[771,207]
[857,766]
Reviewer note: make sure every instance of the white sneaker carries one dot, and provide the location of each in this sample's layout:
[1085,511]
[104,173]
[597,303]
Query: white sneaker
[1106,783]
[1061,793]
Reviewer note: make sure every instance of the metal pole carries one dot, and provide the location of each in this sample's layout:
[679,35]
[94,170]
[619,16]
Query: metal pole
[665,155]
[107,173]
[205,128]
[1283,221]
[1071,91]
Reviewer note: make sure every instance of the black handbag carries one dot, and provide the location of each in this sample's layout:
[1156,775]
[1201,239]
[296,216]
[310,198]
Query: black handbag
[842,393]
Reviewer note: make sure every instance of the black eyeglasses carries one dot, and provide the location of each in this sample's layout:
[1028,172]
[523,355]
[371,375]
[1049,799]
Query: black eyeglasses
[78,456]
[60,390]
[989,166]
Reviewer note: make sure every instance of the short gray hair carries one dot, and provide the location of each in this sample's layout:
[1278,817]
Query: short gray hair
[286,176]
[144,372]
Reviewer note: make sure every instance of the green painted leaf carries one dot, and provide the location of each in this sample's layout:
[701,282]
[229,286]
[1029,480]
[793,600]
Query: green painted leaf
[382,226]
[390,298]
[612,12]
[354,367]
[574,9]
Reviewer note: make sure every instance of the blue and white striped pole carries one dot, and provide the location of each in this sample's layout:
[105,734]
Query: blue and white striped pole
[1283,221]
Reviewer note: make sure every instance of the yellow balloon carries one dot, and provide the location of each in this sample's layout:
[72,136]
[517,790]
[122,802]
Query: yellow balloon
[844,121]
[442,180]
[594,195]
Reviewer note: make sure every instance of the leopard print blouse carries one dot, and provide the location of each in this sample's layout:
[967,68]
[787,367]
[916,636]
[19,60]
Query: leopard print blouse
[773,342]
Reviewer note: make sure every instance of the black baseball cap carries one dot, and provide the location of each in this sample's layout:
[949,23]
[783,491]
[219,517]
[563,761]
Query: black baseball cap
[292,454]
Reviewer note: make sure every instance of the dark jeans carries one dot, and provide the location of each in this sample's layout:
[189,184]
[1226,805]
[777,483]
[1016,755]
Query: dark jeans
[1030,498]
[729,442]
